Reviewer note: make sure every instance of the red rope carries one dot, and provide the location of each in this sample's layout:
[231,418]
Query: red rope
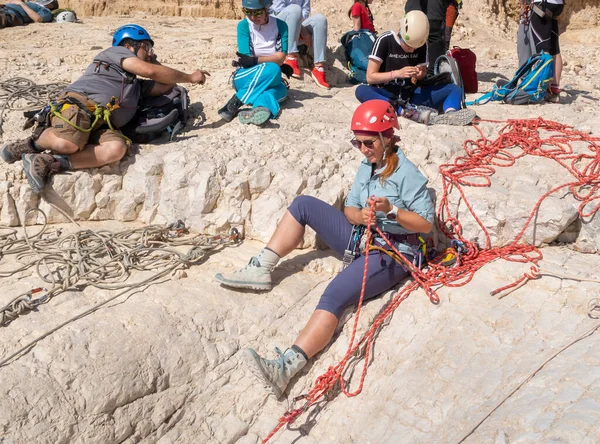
[535,137]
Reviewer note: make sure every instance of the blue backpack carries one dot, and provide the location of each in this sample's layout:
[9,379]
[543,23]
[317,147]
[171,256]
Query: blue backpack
[357,47]
[529,85]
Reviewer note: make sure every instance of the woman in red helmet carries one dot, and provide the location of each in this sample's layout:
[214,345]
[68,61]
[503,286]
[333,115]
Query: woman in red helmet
[404,211]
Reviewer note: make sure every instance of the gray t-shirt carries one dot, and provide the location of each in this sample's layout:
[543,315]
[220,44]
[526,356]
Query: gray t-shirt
[105,78]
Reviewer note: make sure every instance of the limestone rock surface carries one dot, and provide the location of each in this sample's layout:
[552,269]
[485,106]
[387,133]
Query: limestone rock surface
[162,365]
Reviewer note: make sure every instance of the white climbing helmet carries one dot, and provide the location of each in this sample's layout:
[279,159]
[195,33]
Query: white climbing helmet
[414,29]
[66,17]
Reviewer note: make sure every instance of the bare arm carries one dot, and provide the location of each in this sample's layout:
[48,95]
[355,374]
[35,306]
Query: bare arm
[408,219]
[356,23]
[278,57]
[375,77]
[161,88]
[30,12]
[357,216]
[160,73]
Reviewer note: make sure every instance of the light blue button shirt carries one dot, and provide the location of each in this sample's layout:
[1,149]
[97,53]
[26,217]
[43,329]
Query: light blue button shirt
[406,188]
[278,5]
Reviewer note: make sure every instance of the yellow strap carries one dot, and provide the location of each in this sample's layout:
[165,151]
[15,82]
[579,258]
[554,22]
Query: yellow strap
[101,112]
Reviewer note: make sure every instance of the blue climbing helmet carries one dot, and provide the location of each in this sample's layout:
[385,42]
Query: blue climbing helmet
[133,32]
[256,4]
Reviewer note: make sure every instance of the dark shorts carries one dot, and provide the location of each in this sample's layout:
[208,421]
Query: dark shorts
[333,228]
[545,29]
[8,19]
[78,117]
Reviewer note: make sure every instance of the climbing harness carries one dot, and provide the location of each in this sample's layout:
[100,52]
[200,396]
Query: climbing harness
[101,259]
[474,169]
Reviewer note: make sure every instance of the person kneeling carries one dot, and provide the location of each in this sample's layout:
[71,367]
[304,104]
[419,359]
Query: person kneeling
[85,120]
[403,211]
[262,47]
[397,66]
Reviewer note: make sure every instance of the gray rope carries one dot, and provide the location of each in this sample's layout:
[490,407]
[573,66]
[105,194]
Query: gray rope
[20,94]
[102,259]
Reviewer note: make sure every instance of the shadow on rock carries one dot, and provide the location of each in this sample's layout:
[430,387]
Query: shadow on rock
[490,77]
[296,97]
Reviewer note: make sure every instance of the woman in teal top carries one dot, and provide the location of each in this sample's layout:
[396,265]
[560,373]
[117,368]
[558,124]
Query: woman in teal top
[403,210]
[262,48]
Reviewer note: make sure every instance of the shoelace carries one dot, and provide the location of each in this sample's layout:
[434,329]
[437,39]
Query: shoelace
[278,362]
[252,263]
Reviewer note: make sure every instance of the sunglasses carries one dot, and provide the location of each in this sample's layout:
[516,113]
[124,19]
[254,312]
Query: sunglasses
[369,144]
[253,12]
[147,47]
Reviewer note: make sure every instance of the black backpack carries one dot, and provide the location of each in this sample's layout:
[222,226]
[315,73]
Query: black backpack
[156,116]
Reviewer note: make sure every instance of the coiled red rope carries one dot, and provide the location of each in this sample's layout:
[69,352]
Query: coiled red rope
[533,137]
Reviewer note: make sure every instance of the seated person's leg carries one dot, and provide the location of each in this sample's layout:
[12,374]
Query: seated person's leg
[261,87]
[446,97]
[329,223]
[249,84]
[316,25]
[63,137]
[106,146]
[365,93]
[292,16]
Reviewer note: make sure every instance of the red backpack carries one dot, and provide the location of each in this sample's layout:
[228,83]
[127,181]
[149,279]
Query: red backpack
[466,60]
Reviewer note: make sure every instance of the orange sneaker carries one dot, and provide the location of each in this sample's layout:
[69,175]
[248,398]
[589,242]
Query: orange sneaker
[293,63]
[318,75]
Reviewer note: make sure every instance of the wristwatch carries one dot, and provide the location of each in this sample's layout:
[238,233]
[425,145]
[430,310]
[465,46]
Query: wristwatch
[393,213]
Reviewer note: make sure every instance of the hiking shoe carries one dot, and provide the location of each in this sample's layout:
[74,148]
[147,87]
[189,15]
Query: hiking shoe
[37,169]
[318,75]
[258,116]
[420,114]
[457,118]
[252,276]
[12,151]
[554,89]
[231,109]
[293,63]
[552,98]
[276,373]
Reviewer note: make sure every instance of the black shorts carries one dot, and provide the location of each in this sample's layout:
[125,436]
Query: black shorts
[8,19]
[545,29]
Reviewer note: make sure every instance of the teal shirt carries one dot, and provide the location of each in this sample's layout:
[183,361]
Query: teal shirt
[406,188]
[244,38]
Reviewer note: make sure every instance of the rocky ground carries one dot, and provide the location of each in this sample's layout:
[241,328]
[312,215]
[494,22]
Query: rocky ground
[162,366]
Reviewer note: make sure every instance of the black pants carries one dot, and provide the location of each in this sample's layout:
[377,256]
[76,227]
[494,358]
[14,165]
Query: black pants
[435,43]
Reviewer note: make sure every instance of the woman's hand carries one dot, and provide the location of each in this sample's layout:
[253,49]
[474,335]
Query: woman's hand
[406,72]
[364,216]
[381,204]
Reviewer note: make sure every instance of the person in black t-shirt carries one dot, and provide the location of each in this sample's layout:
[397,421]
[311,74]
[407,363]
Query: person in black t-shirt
[398,62]
[436,14]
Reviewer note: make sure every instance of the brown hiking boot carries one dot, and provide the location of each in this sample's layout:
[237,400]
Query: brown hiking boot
[12,151]
[38,168]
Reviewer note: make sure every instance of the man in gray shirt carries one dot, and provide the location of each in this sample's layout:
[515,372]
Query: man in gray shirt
[84,122]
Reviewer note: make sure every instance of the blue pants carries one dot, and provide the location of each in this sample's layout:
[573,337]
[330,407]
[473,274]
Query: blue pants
[446,96]
[334,229]
[260,85]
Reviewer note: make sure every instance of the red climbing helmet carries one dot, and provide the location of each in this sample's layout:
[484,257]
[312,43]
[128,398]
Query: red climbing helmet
[375,116]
